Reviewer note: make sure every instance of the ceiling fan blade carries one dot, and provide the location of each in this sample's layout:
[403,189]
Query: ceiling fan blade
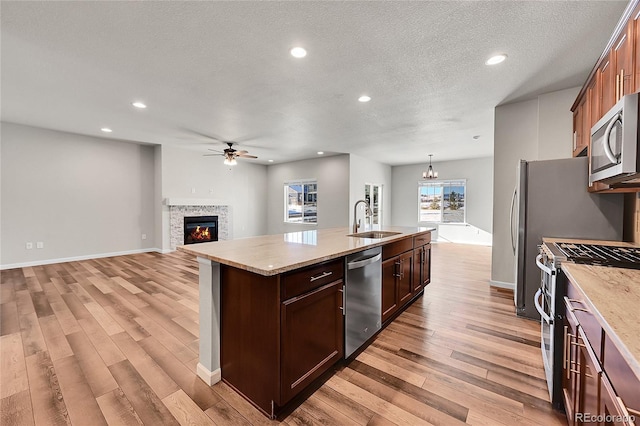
[214,150]
[240,152]
[213,155]
[246,156]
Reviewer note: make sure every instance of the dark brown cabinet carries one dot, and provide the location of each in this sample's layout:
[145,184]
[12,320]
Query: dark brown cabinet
[406,269]
[421,263]
[312,336]
[597,382]
[279,333]
[389,288]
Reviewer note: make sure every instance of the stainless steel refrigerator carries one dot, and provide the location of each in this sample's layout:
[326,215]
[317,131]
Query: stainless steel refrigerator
[551,200]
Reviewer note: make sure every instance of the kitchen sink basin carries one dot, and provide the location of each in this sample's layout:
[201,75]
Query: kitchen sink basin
[374,234]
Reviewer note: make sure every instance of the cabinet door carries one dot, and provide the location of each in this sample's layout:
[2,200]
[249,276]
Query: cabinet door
[622,59]
[405,288]
[312,331]
[390,272]
[581,129]
[612,407]
[417,269]
[607,86]
[589,373]
[426,265]
[570,368]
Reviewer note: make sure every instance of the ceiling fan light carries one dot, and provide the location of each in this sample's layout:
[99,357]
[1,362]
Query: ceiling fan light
[230,161]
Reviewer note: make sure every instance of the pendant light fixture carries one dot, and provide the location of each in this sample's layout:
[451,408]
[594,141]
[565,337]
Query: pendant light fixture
[430,174]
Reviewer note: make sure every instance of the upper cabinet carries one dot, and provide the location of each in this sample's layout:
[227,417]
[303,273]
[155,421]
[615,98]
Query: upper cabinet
[615,74]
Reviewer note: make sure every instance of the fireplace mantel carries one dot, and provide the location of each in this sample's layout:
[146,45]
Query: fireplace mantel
[194,202]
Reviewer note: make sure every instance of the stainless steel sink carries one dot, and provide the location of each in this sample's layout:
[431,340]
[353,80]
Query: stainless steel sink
[374,234]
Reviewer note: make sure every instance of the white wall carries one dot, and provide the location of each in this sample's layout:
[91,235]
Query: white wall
[361,171]
[332,174]
[539,129]
[479,175]
[189,174]
[81,196]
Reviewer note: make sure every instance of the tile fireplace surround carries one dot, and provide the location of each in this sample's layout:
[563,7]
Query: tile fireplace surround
[181,207]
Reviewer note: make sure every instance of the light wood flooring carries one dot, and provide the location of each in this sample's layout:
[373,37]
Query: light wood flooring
[115,341]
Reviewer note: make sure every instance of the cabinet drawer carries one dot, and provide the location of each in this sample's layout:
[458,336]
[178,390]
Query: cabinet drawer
[624,381]
[397,247]
[576,304]
[302,280]
[422,239]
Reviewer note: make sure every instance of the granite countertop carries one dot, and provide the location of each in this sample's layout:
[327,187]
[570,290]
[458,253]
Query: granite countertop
[613,297]
[275,254]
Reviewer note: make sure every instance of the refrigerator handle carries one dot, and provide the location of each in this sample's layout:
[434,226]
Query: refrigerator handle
[513,205]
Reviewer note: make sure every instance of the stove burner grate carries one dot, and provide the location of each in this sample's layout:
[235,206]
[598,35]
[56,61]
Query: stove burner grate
[593,254]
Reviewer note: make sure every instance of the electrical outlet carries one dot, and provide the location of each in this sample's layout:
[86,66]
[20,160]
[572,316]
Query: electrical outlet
[39,244]
[144,236]
[29,246]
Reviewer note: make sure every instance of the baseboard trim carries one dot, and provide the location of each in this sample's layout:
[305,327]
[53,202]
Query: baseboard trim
[77,258]
[502,284]
[209,377]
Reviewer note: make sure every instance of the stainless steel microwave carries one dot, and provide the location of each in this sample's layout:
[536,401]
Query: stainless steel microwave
[614,155]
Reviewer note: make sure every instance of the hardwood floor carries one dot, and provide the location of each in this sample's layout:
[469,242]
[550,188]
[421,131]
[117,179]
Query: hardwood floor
[115,341]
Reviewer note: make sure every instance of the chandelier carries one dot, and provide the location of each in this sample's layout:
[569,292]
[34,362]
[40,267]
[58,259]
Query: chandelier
[430,174]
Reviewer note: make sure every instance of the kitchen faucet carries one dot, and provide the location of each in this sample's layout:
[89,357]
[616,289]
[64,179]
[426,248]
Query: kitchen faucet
[368,213]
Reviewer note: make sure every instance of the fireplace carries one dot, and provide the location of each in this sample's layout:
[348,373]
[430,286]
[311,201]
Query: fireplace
[200,229]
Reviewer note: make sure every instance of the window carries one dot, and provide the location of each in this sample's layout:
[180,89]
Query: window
[373,195]
[301,201]
[442,201]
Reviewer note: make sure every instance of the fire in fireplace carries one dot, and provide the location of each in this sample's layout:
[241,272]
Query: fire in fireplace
[200,229]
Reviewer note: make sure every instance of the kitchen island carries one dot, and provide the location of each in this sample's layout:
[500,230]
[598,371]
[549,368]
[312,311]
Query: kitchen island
[270,307]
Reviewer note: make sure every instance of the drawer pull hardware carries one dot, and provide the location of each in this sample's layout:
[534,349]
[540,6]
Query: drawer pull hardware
[322,275]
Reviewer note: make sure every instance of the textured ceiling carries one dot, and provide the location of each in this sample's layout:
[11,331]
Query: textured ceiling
[224,69]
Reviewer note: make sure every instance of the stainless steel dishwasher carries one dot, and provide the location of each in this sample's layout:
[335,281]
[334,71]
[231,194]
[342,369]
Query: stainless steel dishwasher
[363,298]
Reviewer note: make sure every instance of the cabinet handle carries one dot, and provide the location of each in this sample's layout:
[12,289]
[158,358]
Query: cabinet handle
[572,309]
[630,410]
[617,87]
[564,350]
[621,83]
[322,275]
[401,268]
[342,308]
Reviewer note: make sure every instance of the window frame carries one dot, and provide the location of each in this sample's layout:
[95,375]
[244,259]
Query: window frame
[442,183]
[301,182]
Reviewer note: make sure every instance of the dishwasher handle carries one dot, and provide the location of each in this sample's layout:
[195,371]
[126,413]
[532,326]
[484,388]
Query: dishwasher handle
[356,264]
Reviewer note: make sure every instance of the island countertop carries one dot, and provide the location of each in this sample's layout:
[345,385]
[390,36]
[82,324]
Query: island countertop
[275,254]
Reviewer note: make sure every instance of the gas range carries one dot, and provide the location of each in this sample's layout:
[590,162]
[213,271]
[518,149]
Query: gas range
[595,254]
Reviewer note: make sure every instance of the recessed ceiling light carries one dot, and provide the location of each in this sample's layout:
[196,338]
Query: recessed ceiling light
[106,130]
[496,59]
[139,104]
[320,152]
[271,161]
[364,98]
[298,52]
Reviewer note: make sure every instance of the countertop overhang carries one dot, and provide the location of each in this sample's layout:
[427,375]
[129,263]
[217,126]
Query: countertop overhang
[274,254]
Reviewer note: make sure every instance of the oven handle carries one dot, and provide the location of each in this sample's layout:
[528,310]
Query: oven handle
[605,140]
[544,268]
[542,313]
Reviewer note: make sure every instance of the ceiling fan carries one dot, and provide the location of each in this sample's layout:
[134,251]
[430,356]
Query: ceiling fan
[230,154]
